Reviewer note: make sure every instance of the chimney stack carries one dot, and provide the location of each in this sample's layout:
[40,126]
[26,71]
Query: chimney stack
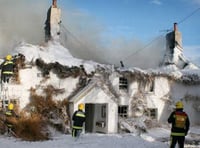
[54,3]
[175,27]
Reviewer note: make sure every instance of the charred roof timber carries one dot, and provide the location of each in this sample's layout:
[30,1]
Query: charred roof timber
[61,70]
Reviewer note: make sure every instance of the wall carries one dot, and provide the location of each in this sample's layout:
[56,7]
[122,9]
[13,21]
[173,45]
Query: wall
[190,96]
[32,77]
[28,78]
[165,95]
[178,39]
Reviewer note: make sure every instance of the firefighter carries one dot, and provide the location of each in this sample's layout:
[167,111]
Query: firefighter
[7,69]
[78,120]
[10,117]
[180,125]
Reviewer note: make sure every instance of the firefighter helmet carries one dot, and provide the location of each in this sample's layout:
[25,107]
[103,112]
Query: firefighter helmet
[10,106]
[179,105]
[9,57]
[81,106]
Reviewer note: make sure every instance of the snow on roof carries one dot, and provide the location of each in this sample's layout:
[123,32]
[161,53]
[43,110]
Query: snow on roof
[53,52]
[188,76]
[83,92]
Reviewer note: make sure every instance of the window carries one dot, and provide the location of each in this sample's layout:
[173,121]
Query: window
[103,111]
[123,111]
[15,101]
[4,103]
[123,83]
[150,87]
[153,113]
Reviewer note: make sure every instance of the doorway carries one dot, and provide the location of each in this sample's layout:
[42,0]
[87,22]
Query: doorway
[96,118]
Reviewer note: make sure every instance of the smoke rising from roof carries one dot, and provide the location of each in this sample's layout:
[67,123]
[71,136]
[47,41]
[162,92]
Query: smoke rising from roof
[86,39]
[20,20]
[82,34]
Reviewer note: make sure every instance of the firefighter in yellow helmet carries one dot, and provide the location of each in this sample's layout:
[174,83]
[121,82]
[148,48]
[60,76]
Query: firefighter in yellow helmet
[10,114]
[180,125]
[10,106]
[78,120]
[7,69]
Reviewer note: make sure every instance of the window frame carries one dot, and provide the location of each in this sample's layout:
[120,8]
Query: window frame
[123,111]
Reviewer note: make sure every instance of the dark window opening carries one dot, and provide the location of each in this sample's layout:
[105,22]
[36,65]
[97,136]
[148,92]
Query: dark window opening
[153,113]
[151,86]
[103,111]
[123,111]
[123,83]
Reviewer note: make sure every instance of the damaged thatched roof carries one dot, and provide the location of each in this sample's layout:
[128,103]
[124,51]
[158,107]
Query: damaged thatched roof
[61,70]
[187,77]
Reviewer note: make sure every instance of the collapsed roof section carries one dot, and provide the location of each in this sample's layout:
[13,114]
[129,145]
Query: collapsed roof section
[187,77]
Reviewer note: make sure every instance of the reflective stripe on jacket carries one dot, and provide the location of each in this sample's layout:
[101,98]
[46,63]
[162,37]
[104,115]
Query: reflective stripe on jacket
[7,72]
[77,127]
[8,113]
[177,134]
[7,67]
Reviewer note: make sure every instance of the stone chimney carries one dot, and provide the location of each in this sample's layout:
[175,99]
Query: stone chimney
[177,37]
[173,54]
[54,3]
[175,27]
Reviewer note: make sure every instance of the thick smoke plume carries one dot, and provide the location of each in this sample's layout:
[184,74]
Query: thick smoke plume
[23,20]
[85,37]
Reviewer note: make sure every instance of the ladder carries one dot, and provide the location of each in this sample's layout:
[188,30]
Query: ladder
[4,96]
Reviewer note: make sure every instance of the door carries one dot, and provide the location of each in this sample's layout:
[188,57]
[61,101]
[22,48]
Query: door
[89,112]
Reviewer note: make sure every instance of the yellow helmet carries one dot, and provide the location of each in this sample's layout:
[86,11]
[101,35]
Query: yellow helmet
[179,105]
[81,106]
[10,106]
[9,57]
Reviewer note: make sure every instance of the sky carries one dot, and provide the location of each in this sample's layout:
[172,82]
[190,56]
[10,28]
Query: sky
[143,20]
[106,31]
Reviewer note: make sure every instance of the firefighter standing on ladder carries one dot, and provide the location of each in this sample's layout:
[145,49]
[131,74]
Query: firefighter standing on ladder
[180,126]
[10,117]
[7,68]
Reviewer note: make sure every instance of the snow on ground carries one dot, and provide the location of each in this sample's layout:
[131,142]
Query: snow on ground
[86,141]
[154,138]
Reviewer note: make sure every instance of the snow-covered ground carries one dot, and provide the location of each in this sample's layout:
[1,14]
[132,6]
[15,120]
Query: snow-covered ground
[155,138]
[86,141]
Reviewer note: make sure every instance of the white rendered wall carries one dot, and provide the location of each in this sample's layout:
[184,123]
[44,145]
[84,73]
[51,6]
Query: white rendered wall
[33,78]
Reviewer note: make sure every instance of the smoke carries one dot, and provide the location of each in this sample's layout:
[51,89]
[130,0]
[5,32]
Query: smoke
[82,34]
[196,2]
[21,20]
[85,37]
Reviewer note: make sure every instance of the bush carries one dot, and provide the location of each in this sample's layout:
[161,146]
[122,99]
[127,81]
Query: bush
[30,128]
[39,114]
